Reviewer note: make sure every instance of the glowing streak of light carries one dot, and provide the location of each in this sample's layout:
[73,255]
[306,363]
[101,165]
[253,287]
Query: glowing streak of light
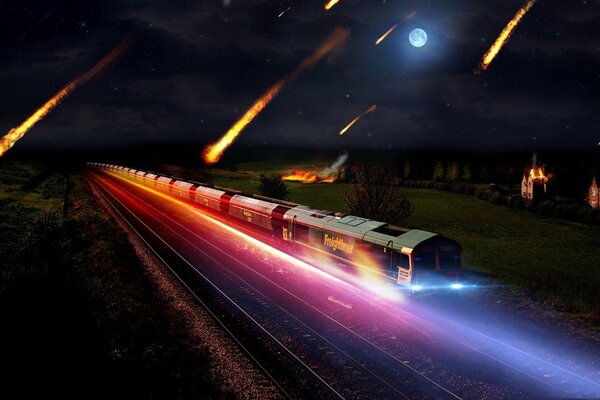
[408,17]
[355,120]
[18,132]
[326,270]
[330,4]
[386,34]
[284,11]
[493,51]
[263,246]
[212,153]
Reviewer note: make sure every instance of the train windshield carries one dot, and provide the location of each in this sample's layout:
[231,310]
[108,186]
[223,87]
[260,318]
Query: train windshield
[444,256]
[450,257]
[425,258]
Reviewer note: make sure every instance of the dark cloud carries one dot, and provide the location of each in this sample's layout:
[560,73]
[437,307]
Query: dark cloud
[197,66]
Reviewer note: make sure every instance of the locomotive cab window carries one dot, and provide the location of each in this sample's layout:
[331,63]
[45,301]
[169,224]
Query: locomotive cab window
[404,261]
[424,258]
[449,257]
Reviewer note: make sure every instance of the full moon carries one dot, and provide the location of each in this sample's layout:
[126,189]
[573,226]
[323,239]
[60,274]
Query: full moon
[418,37]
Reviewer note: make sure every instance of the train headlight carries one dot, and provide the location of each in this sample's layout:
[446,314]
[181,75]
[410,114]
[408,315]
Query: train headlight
[456,286]
[416,288]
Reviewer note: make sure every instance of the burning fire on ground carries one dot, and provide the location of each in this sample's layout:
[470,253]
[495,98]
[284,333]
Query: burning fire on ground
[213,152]
[408,17]
[18,132]
[307,177]
[325,175]
[489,56]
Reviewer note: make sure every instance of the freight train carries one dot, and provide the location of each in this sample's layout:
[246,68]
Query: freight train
[412,258]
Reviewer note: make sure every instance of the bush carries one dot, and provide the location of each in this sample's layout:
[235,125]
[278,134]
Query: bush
[516,201]
[546,208]
[273,186]
[497,197]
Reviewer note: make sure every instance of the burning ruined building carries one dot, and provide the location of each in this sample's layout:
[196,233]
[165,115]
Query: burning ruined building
[594,194]
[534,184]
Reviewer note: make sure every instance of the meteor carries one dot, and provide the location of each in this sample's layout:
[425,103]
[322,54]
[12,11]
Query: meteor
[408,17]
[355,120]
[284,11]
[18,132]
[330,4]
[213,152]
[493,51]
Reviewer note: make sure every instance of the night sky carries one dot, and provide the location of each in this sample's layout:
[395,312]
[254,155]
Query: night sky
[197,66]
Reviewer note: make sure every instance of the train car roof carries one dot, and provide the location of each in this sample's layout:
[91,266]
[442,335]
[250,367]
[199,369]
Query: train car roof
[355,226]
[256,205]
[308,216]
[406,240]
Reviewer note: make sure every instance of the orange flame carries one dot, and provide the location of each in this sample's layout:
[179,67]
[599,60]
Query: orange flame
[493,51]
[355,120]
[330,4]
[284,11]
[17,133]
[213,152]
[537,175]
[408,17]
[308,177]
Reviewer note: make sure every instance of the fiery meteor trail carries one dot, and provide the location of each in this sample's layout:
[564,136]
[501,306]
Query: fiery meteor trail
[355,120]
[213,152]
[18,132]
[408,17]
[330,4]
[284,11]
[493,51]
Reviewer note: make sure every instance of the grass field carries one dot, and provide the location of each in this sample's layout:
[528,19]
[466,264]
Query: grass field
[555,260]
[71,274]
[24,188]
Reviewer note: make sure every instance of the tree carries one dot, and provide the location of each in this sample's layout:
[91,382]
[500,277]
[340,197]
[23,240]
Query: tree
[273,186]
[453,172]
[439,172]
[407,171]
[376,194]
[467,174]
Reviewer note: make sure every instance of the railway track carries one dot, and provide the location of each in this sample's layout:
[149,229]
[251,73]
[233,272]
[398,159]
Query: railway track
[381,372]
[343,376]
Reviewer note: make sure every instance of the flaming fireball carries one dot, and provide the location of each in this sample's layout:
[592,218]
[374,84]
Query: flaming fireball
[330,4]
[213,152]
[18,132]
[355,120]
[284,11]
[408,17]
[489,56]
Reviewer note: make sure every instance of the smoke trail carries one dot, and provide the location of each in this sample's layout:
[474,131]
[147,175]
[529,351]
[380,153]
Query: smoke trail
[18,132]
[408,17]
[355,120]
[213,152]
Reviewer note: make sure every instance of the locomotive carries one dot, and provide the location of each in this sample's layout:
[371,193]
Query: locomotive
[411,258]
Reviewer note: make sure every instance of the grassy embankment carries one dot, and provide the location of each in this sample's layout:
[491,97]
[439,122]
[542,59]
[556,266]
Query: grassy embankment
[79,317]
[554,260]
